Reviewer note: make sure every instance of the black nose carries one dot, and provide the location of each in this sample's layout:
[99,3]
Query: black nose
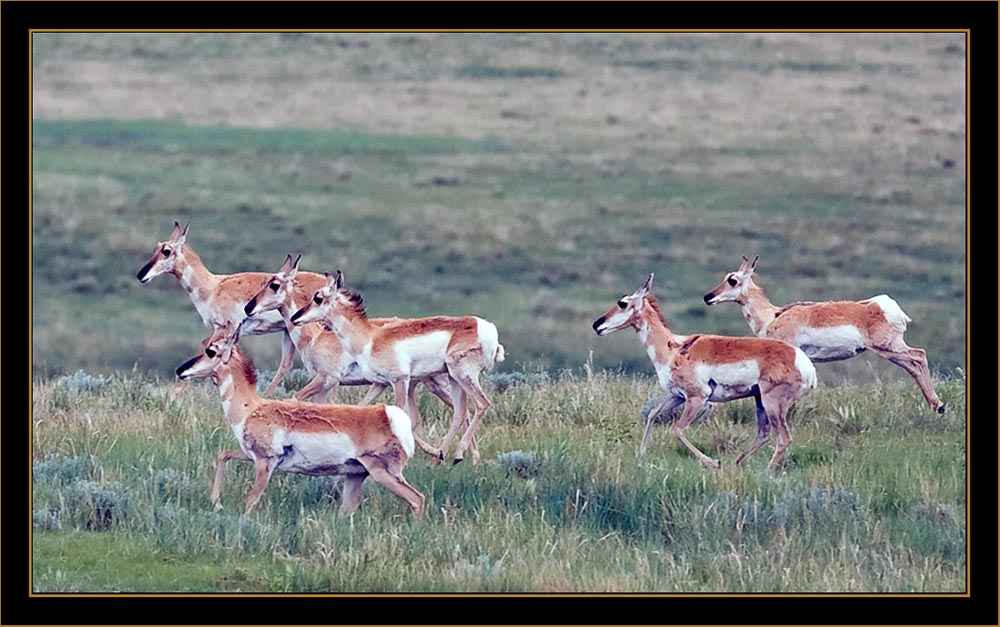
[187,364]
[249,306]
[296,316]
[708,297]
[598,322]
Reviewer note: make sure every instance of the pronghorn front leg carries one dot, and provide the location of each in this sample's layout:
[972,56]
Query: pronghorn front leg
[287,357]
[263,467]
[373,392]
[220,466]
[402,391]
[763,429]
[691,408]
[668,403]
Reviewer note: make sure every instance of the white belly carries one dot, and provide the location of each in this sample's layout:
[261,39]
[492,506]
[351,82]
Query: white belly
[830,343]
[423,355]
[727,382]
[316,453]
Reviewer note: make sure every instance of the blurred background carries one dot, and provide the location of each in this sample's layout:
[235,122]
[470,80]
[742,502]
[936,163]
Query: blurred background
[528,178]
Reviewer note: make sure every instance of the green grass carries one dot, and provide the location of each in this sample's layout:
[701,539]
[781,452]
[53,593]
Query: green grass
[871,498]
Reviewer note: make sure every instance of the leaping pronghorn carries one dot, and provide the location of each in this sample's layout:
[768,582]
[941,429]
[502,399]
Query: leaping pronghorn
[303,438]
[397,354]
[696,369]
[832,330]
[220,298]
[321,350]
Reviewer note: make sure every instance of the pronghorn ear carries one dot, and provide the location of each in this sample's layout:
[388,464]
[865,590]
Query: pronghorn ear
[290,266]
[340,280]
[179,235]
[753,265]
[645,286]
[227,350]
[329,279]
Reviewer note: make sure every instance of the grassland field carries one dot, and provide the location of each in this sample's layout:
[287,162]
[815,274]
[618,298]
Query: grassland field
[530,179]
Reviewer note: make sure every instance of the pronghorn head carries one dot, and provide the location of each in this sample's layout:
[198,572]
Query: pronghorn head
[165,255]
[277,291]
[734,285]
[318,306]
[626,311]
[216,351]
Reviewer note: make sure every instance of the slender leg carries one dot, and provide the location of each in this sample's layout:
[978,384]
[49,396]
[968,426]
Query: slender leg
[691,407]
[263,467]
[471,387]
[395,483]
[776,403]
[914,362]
[763,430]
[440,386]
[373,392]
[401,389]
[313,388]
[460,417]
[668,403]
[287,357]
[220,466]
[351,496]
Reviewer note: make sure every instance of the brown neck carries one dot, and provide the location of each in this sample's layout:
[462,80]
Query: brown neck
[193,275]
[757,308]
[654,333]
[238,387]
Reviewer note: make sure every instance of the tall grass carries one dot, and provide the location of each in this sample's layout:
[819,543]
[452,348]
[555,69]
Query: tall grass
[871,498]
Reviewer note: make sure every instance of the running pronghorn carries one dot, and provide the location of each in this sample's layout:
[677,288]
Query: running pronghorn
[321,351]
[397,354]
[302,438]
[219,298]
[829,331]
[695,369]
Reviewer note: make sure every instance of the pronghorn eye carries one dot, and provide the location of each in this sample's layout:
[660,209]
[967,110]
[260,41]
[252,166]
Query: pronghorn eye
[210,352]
[732,281]
[166,252]
[622,304]
[275,287]
[318,299]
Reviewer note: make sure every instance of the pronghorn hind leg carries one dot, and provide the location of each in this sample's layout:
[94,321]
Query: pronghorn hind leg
[914,361]
[220,466]
[440,386]
[776,402]
[373,392]
[394,481]
[459,417]
[763,429]
[691,407]
[314,388]
[287,357]
[351,496]
[467,375]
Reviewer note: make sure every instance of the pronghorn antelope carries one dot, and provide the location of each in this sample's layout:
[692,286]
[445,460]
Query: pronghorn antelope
[321,350]
[302,438]
[829,331]
[219,298]
[397,354]
[695,369]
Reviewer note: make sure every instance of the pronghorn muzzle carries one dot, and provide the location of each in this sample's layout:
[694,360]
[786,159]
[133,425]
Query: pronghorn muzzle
[298,314]
[598,323]
[248,309]
[187,365]
[141,275]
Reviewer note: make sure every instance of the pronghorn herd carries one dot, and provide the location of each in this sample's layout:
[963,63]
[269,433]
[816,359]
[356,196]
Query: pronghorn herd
[327,325]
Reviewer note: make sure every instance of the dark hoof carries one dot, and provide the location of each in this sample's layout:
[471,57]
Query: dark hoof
[440,455]
[457,461]
[941,408]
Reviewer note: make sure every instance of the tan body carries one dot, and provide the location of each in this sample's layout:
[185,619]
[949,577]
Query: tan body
[303,438]
[321,351]
[832,330]
[697,369]
[400,353]
[220,298]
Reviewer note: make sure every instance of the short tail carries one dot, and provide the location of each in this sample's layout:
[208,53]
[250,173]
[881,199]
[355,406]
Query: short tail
[500,353]
[806,369]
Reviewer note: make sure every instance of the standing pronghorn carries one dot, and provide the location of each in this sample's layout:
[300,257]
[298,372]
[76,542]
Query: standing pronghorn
[695,369]
[321,350]
[219,298]
[829,331]
[397,354]
[302,438]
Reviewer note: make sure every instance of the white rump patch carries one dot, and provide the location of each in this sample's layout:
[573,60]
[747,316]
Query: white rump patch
[489,339]
[830,343]
[893,312]
[806,369]
[402,427]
